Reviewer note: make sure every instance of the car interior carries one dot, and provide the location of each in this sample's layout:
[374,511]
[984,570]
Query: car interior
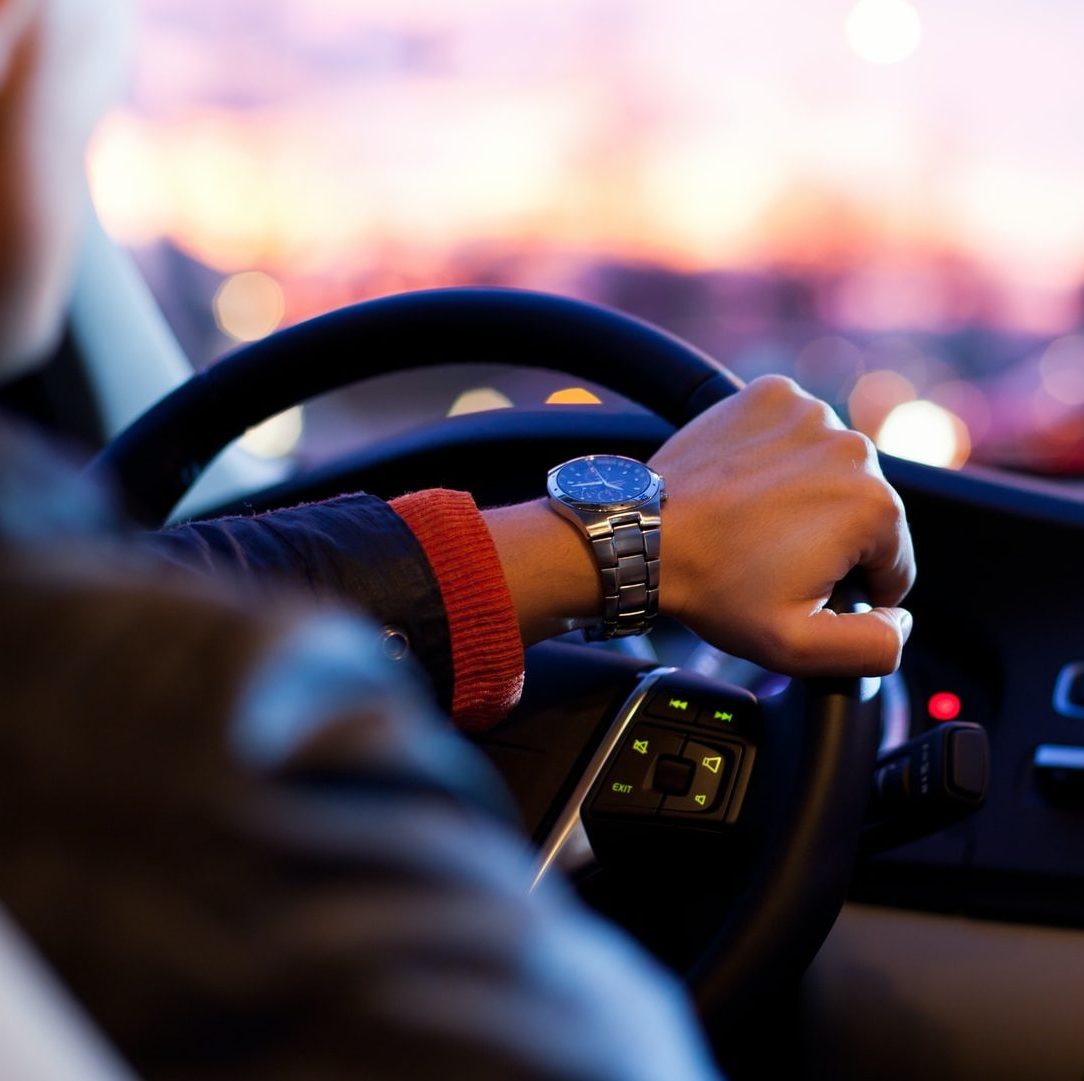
[856,878]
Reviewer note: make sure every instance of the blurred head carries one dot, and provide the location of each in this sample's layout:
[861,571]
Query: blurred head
[60,62]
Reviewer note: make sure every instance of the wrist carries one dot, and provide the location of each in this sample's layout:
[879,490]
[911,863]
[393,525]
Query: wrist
[549,568]
[677,575]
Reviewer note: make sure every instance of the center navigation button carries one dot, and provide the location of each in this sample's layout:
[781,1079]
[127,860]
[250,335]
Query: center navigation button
[711,779]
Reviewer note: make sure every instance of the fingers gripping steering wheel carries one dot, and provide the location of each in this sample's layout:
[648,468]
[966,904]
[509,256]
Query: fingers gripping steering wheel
[767,903]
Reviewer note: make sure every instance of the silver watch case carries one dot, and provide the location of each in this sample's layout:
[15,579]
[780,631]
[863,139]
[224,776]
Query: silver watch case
[597,518]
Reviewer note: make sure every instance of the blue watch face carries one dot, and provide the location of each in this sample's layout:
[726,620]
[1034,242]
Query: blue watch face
[603,478]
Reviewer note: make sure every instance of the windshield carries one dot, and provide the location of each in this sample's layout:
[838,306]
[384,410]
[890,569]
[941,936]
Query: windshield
[880,198]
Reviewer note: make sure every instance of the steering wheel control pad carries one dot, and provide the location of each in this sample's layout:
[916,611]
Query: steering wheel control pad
[688,777]
[685,758]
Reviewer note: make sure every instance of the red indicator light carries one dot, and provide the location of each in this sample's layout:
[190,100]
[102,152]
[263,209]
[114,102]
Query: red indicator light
[944,706]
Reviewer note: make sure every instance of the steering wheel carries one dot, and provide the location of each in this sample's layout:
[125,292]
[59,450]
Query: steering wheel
[753,896]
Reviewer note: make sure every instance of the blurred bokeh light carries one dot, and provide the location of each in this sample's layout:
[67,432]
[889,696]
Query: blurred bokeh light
[875,396]
[276,437]
[925,432]
[249,306]
[884,31]
[479,400]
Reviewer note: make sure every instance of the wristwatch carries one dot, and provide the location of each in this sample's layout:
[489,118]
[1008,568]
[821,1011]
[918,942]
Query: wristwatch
[617,502]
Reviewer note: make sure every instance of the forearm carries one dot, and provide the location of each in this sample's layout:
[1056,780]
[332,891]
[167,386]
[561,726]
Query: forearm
[357,550]
[549,569]
[353,550]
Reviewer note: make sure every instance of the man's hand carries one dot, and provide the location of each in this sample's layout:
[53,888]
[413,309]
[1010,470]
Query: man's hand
[772,502]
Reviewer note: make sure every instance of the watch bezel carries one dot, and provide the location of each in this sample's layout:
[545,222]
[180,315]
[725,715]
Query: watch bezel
[656,487]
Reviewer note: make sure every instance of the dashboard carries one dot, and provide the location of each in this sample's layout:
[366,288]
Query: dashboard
[998,626]
[960,954]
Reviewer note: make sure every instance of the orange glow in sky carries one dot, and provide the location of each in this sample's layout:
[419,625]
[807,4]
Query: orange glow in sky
[313,137]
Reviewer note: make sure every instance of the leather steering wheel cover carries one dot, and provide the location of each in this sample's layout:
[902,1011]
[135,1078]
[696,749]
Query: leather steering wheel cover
[161,455]
[775,926]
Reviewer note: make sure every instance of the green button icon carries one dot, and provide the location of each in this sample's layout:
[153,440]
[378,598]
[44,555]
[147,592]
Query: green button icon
[701,799]
[712,762]
[640,746]
[679,703]
[722,715]
[622,789]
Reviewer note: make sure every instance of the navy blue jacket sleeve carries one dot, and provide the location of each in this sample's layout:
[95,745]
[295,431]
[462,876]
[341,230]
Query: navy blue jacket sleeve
[354,550]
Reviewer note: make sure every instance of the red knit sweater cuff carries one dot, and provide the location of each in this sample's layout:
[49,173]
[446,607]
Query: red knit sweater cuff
[487,651]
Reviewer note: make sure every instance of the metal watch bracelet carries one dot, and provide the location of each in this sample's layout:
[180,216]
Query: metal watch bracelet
[626,548]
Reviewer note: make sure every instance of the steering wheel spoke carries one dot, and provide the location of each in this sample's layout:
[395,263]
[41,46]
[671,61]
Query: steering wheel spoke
[689,821]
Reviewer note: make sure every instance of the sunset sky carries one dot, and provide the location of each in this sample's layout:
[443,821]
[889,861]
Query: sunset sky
[319,137]
[916,168]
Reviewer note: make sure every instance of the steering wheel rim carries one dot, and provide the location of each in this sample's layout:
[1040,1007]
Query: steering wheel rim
[162,454]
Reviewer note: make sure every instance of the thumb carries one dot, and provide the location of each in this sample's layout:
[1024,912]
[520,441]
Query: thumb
[852,643]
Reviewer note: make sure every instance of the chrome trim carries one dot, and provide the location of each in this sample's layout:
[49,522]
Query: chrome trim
[1068,674]
[568,832]
[1058,756]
